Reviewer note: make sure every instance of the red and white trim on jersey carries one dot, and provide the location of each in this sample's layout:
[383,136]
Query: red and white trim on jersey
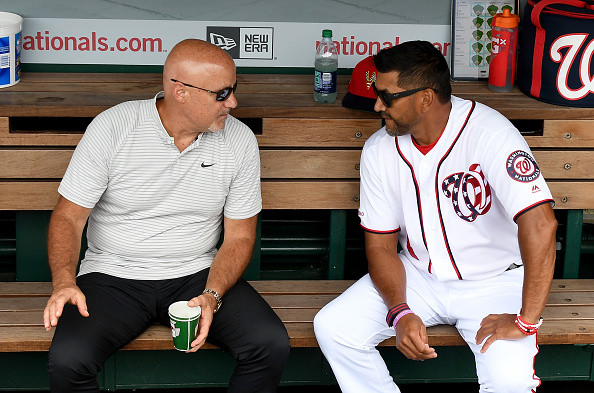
[419,207]
[380,232]
[532,207]
[443,230]
[410,249]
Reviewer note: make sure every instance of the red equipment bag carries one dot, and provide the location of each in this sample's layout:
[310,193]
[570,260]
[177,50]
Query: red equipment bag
[557,52]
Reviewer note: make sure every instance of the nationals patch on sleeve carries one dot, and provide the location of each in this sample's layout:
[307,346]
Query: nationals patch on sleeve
[522,167]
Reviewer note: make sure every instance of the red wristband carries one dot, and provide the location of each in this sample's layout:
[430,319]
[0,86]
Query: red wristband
[525,327]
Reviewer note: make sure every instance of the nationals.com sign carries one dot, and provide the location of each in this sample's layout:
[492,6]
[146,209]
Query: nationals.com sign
[251,44]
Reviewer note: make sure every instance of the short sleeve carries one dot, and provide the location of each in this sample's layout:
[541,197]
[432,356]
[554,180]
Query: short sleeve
[87,175]
[375,210]
[513,172]
[245,197]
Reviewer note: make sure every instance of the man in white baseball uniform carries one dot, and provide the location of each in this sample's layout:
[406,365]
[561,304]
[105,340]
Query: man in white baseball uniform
[456,185]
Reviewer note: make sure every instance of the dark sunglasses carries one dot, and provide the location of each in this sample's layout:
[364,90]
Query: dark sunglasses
[222,94]
[387,98]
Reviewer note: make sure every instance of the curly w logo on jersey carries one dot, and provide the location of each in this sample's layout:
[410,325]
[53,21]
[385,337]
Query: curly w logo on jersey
[470,193]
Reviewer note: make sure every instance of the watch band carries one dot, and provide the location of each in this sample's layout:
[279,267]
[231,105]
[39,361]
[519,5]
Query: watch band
[217,297]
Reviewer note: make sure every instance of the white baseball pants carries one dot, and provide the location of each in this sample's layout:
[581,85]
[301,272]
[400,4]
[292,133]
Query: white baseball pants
[349,328]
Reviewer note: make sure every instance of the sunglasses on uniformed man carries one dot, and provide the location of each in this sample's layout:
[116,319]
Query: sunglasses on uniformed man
[387,98]
[222,94]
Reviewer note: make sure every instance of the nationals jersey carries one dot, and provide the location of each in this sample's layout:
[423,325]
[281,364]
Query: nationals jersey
[454,208]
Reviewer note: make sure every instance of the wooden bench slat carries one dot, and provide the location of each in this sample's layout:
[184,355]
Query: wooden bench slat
[303,315]
[24,303]
[264,287]
[275,301]
[302,335]
[283,164]
[563,285]
[556,132]
[275,164]
[553,164]
[513,105]
[572,195]
[271,287]
[8,138]
[317,132]
[297,301]
[43,195]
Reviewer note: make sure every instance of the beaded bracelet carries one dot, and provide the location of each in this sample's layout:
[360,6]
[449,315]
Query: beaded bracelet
[394,311]
[525,327]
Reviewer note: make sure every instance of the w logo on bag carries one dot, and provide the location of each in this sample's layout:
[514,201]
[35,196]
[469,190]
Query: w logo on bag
[556,57]
[574,43]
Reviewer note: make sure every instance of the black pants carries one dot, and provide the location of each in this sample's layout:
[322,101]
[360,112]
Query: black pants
[121,309]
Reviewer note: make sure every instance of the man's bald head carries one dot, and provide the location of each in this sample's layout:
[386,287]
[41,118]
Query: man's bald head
[192,56]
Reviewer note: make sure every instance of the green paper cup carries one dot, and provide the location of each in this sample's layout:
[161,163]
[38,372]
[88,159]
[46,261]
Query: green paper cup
[184,324]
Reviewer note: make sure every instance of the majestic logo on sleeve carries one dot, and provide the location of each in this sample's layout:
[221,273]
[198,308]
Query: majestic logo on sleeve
[574,42]
[470,193]
[522,167]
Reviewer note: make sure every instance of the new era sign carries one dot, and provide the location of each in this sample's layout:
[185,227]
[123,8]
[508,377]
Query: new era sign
[243,42]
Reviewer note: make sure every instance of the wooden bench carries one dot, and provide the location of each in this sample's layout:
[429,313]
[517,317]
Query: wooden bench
[310,152]
[569,320]
[310,157]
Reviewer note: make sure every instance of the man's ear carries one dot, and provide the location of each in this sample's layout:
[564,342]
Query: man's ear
[427,98]
[178,92]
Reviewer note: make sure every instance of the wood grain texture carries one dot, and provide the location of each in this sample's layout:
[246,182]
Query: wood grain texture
[298,195]
[285,164]
[317,132]
[575,165]
[569,316]
[566,133]
[12,339]
[572,195]
[310,195]
[283,287]
[259,95]
[275,164]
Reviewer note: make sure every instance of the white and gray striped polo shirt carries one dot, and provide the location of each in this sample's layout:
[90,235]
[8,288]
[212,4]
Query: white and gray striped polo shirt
[157,213]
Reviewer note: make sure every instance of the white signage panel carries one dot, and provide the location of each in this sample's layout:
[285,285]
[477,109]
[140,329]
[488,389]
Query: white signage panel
[251,44]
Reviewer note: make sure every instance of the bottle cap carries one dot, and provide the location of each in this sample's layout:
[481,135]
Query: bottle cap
[327,33]
[506,19]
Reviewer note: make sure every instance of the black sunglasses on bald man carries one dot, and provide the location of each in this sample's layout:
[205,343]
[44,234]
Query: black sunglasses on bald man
[387,98]
[222,94]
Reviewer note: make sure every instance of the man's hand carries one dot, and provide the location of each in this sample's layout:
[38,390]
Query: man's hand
[207,303]
[55,305]
[411,338]
[497,327]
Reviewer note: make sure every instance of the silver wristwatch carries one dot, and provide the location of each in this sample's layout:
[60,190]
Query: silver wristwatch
[216,296]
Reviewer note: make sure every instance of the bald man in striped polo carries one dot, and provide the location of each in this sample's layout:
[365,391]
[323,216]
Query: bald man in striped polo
[156,180]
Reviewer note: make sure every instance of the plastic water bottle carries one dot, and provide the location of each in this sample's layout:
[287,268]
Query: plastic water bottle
[326,64]
[502,70]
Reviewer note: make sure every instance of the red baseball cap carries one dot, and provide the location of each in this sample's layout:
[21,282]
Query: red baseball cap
[360,94]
